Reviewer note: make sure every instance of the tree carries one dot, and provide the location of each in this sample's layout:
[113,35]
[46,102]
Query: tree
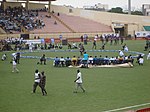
[116,10]
[136,13]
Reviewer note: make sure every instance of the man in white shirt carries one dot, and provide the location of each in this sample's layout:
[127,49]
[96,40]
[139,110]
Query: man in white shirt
[37,78]
[121,53]
[126,48]
[79,81]
[14,66]
[141,61]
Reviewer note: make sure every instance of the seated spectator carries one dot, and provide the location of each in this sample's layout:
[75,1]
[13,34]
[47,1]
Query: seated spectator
[125,60]
[95,61]
[90,60]
[62,61]
[74,61]
[141,61]
[56,62]
[112,60]
[121,54]
[123,46]
[100,60]
[79,60]
[106,61]
[138,57]
[126,48]
[4,56]
[68,61]
[60,46]
[103,47]
[69,46]
[130,59]
[120,60]
[55,23]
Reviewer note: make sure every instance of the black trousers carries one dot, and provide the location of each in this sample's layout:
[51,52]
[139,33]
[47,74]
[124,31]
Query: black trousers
[44,92]
[42,86]
[35,86]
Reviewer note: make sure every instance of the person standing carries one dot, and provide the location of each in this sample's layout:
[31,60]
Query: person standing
[14,63]
[85,60]
[148,56]
[42,83]
[94,44]
[30,47]
[79,82]
[37,78]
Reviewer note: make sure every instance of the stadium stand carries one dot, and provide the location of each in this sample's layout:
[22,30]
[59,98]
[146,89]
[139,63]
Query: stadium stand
[79,24]
[49,24]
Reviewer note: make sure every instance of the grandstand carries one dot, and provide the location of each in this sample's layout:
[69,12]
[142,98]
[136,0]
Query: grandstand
[71,22]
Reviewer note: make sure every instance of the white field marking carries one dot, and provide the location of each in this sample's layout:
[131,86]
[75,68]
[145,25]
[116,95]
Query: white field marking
[127,107]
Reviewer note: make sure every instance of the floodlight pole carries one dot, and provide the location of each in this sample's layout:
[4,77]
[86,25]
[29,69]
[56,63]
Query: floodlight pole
[49,6]
[129,7]
[27,4]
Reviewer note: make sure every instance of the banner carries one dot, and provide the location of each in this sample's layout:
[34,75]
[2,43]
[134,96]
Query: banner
[143,34]
[36,41]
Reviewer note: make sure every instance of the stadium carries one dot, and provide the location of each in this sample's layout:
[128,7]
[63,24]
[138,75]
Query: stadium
[111,50]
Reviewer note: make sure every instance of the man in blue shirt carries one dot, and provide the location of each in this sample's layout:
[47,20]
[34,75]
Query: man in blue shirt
[85,59]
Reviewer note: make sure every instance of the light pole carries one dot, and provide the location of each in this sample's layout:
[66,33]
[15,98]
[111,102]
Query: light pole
[129,7]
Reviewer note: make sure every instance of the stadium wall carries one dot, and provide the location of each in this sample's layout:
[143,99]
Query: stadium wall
[134,22]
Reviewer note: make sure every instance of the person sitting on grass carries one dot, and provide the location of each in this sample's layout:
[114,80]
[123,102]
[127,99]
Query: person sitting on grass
[68,61]
[74,45]
[141,61]
[4,56]
[69,46]
[43,59]
[56,62]
[90,60]
[62,61]
[103,47]
[74,61]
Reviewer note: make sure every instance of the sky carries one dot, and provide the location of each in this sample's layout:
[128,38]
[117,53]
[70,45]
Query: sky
[137,4]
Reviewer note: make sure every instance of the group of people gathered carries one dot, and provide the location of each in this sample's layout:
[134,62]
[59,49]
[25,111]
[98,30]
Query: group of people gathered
[90,60]
[40,80]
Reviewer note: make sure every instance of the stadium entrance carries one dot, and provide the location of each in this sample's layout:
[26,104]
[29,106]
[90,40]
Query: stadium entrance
[121,28]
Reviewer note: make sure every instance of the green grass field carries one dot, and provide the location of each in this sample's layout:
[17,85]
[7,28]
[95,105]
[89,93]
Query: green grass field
[106,88]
